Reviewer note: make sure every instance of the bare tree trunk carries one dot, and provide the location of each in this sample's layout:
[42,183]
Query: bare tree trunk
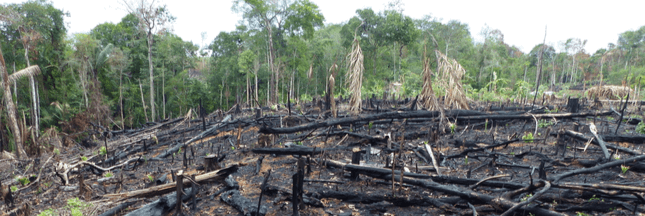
[248,89]
[539,71]
[272,67]
[34,102]
[121,97]
[602,61]
[163,88]
[152,82]
[257,99]
[143,102]
[11,109]
[15,85]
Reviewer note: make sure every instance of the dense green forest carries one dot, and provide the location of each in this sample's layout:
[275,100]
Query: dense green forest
[122,75]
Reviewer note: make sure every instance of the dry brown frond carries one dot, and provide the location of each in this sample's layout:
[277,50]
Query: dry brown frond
[428,97]
[27,72]
[609,91]
[450,74]
[355,76]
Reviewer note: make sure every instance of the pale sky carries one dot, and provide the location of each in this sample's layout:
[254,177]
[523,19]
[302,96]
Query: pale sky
[521,22]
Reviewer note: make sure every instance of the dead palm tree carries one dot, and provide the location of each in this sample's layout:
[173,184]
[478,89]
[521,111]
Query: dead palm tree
[428,96]
[11,108]
[450,75]
[355,74]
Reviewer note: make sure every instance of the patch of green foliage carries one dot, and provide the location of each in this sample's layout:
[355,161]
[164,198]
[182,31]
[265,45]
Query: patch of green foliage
[624,168]
[108,174]
[528,138]
[24,181]
[544,123]
[103,150]
[640,128]
[77,206]
[14,188]
[526,197]
[83,158]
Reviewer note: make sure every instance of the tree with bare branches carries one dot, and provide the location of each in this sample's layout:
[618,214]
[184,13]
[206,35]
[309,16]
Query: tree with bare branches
[151,17]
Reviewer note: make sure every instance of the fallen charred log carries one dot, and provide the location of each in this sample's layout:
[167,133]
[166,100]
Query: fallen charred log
[163,205]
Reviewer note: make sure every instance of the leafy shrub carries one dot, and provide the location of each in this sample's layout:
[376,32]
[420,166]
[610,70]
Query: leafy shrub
[640,128]
[528,138]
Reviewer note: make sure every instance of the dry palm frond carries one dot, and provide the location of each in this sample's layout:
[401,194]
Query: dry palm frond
[451,73]
[609,91]
[27,72]
[332,101]
[428,97]
[355,76]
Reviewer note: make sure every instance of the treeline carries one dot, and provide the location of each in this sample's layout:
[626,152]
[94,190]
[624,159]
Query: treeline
[280,48]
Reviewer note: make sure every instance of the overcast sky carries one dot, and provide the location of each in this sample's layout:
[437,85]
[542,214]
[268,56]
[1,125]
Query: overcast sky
[521,22]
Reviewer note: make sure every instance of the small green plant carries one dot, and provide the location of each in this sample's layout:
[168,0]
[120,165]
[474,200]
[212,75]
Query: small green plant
[47,184]
[640,128]
[610,118]
[103,150]
[83,158]
[48,212]
[526,197]
[151,178]
[369,125]
[528,138]
[179,151]
[594,198]
[486,125]
[14,188]
[76,206]
[56,151]
[581,214]
[466,160]
[232,147]
[512,153]
[24,181]
[108,174]
[624,168]
[544,123]
[299,143]
[452,128]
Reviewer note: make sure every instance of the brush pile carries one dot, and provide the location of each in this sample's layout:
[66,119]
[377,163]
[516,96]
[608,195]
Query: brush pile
[609,92]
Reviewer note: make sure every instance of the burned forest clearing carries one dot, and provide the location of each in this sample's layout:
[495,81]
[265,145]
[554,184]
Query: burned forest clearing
[393,158]
[276,109]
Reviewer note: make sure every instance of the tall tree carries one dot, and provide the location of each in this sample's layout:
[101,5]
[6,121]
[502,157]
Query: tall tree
[151,17]
[29,38]
[299,17]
